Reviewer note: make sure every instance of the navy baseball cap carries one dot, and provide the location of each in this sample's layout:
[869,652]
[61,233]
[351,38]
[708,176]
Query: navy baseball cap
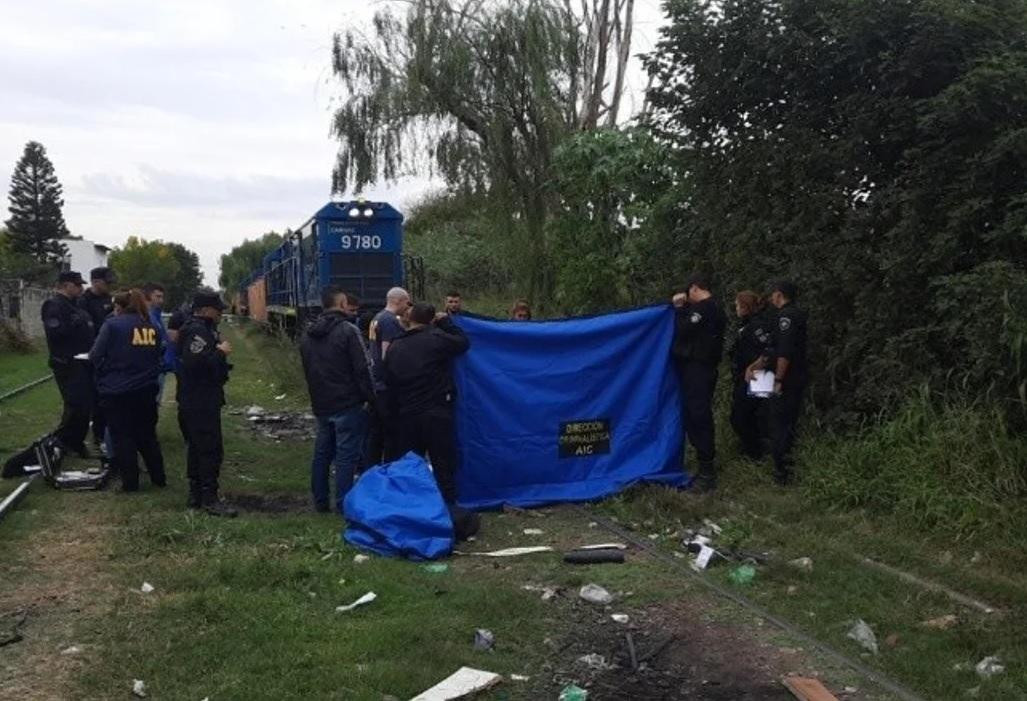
[105,274]
[70,276]
[208,298]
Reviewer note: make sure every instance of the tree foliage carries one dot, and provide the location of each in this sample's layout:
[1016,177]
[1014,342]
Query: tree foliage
[36,224]
[875,152]
[241,261]
[480,95]
[170,264]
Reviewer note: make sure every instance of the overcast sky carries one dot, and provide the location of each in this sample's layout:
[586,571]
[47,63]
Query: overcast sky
[198,121]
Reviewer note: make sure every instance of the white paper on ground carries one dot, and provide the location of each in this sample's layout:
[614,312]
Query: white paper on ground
[463,682]
[510,552]
[761,384]
[703,559]
[604,546]
[365,599]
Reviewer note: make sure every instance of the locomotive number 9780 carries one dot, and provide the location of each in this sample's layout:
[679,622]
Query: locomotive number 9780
[361,242]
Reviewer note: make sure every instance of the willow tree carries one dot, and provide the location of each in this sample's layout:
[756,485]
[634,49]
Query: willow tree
[479,94]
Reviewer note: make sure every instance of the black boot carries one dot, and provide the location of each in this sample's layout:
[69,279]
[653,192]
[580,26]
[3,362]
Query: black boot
[706,478]
[215,507]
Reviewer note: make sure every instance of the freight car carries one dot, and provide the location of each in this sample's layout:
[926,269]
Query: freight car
[357,245]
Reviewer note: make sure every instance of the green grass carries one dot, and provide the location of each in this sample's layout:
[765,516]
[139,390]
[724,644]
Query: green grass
[18,369]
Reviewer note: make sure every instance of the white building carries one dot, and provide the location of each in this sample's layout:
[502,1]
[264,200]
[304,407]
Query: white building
[83,256]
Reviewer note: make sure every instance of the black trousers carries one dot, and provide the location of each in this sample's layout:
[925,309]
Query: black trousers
[75,382]
[432,433]
[382,442]
[698,382]
[201,429]
[99,420]
[785,409]
[132,419]
[749,420]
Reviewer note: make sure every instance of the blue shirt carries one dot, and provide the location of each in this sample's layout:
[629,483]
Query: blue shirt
[385,328]
[167,348]
[126,354]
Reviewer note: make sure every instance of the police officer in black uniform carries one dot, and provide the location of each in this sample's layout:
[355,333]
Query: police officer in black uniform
[204,372]
[69,333]
[698,345]
[750,344]
[97,302]
[788,360]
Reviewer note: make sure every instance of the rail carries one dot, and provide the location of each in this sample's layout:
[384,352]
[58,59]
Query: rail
[24,388]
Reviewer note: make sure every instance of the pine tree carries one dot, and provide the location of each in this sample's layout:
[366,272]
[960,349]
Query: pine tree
[37,223]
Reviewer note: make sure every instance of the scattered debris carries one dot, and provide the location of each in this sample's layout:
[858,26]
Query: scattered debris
[255,410]
[802,563]
[533,531]
[547,592]
[511,552]
[743,574]
[989,667]
[519,678]
[620,617]
[280,397]
[632,654]
[892,640]
[484,639]
[464,682]
[593,524]
[717,530]
[435,567]
[71,650]
[593,557]
[792,590]
[808,689]
[571,692]
[362,601]
[139,688]
[702,560]
[595,594]
[360,558]
[941,623]
[864,635]
[593,661]
[146,588]
[10,633]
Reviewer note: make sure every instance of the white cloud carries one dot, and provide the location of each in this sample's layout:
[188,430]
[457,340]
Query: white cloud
[198,121]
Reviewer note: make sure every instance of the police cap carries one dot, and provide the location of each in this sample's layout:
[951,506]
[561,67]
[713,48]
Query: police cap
[70,276]
[102,273]
[207,298]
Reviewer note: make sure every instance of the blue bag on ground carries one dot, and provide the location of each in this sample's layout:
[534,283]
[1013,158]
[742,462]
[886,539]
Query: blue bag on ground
[396,510]
[566,410]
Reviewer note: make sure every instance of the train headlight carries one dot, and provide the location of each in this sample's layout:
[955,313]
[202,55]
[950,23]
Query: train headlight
[368,213]
[354,212]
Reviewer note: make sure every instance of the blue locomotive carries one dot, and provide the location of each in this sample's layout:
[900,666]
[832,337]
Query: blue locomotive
[357,245]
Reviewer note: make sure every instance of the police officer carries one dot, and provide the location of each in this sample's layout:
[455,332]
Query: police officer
[69,333]
[204,371]
[96,301]
[787,358]
[127,359]
[750,343]
[698,345]
[418,372]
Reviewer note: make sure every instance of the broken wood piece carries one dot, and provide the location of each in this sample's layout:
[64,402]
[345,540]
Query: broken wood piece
[631,652]
[464,682]
[604,546]
[509,552]
[808,689]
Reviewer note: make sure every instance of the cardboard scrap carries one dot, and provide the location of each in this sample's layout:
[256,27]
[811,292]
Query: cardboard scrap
[464,682]
[807,689]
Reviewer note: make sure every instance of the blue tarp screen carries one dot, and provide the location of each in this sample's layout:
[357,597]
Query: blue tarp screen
[566,410]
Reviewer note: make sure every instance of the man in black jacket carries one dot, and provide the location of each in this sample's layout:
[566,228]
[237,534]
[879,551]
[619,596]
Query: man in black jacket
[98,304]
[203,357]
[418,373]
[69,335]
[338,375]
[698,345]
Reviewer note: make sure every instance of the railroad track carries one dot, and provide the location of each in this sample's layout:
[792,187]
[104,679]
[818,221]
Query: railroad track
[646,545]
[24,388]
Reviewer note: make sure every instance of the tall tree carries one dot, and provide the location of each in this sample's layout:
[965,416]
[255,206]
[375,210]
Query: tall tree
[139,262]
[188,278]
[36,224]
[241,261]
[480,95]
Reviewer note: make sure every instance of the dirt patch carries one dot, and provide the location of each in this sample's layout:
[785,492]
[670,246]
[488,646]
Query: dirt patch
[279,426]
[269,503]
[58,583]
[681,653]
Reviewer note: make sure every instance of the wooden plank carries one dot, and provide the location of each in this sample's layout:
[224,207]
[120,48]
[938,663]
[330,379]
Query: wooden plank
[807,689]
